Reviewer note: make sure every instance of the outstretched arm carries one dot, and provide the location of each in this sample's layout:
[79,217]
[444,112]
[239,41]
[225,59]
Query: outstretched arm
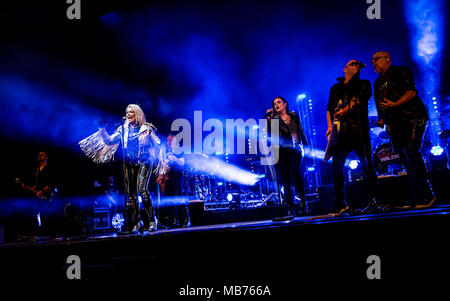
[110,140]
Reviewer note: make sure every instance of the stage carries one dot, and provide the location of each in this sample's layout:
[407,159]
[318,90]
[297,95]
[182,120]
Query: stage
[411,245]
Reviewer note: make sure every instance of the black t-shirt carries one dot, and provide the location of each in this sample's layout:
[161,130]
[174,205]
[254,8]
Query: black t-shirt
[44,178]
[393,85]
[357,118]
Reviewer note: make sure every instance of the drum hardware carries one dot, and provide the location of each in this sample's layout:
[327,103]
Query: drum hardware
[384,157]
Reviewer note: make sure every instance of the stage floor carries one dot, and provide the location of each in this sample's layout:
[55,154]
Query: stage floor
[410,244]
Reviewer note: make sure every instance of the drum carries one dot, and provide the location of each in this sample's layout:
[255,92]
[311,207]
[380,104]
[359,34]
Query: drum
[383,157]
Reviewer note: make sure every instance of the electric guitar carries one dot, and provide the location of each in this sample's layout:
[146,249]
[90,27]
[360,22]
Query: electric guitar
[46,196]
[385,115]
[333,136]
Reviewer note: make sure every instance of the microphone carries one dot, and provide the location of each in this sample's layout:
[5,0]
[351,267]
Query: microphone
[269,113]
[124,118]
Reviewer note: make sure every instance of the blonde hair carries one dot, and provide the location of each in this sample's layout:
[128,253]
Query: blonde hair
[138,113]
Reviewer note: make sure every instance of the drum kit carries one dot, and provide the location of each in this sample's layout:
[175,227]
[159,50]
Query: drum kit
[385,160]
[209,187]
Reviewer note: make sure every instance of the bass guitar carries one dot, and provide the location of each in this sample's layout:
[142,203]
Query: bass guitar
[333,136]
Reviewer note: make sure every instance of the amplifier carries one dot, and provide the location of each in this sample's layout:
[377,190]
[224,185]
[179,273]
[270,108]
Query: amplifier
[102,220]
[393,190]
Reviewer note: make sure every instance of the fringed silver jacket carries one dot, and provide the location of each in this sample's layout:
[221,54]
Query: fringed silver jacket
[101,147]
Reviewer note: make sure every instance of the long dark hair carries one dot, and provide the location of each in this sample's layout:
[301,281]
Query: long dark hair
[284,101]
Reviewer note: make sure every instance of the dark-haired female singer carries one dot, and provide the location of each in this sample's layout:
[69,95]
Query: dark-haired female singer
[291,137]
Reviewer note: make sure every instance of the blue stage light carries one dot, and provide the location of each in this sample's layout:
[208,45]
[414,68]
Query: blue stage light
[222,170]
[301,96]
[311,168]
[118,221]
[437,150]
[229,197]
[426,20]
[353,164]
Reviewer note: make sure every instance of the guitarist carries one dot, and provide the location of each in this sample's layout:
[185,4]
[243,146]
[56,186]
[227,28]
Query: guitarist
[405,115]
[43,189]
[44,181]
[348,103]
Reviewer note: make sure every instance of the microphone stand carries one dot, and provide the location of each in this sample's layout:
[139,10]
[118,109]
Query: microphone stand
[125,186]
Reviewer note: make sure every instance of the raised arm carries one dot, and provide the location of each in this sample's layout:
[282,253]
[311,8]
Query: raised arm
[110,139]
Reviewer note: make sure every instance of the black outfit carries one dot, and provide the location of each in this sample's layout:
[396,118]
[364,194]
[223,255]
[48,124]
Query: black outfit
[290,157]
[406,125]
[41,208]
[354,133]
[44,178]
[138,171]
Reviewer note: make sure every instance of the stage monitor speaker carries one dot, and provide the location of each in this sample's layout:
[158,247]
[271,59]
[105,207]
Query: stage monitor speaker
[393,190]
[357,194]
[196,212]
[326,198]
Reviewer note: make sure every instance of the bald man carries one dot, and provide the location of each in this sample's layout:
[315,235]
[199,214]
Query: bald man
[354,130]
[405,115]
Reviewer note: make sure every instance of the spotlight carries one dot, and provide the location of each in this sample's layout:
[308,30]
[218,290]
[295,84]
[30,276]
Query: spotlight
[118,221]
[437,150]
[301,96]
[353,164]
[229,197]
[139,199]
[311,168]
[39,219]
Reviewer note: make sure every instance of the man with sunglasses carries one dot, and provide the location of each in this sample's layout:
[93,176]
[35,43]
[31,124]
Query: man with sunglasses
[405,115]
[352,113]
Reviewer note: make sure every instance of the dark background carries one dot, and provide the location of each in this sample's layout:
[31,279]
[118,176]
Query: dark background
[226,58]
